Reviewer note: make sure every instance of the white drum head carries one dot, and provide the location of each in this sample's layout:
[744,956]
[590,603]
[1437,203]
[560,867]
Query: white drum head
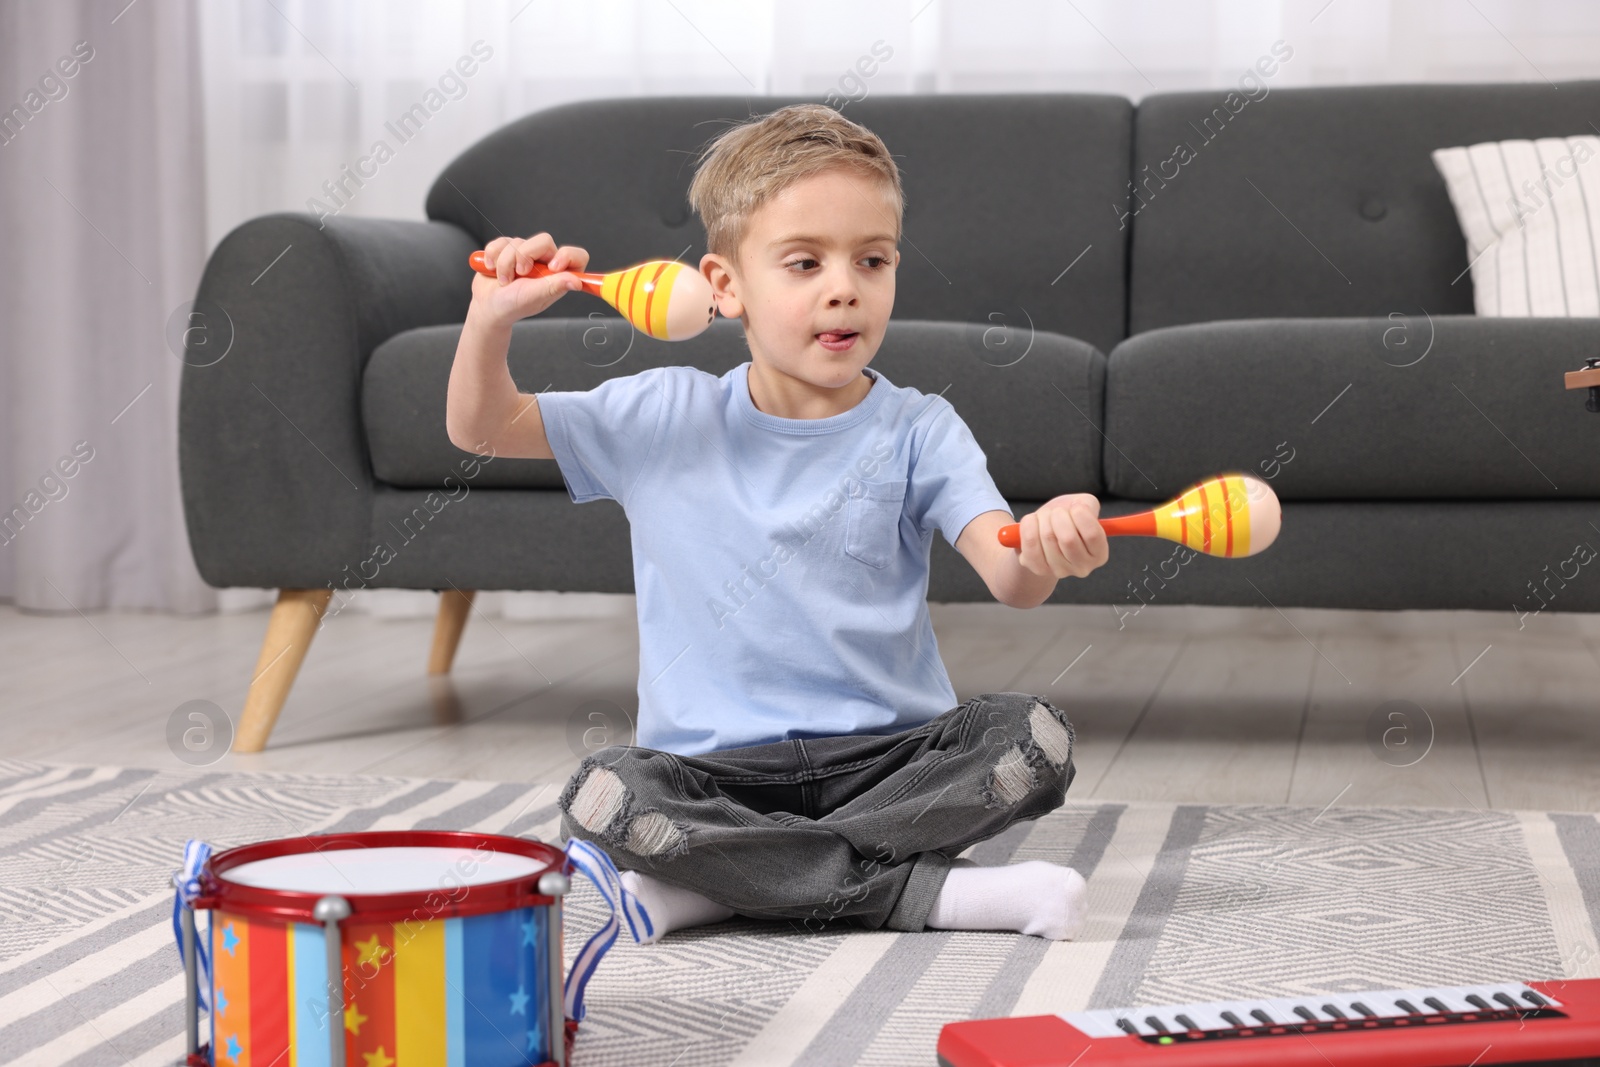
[377,871]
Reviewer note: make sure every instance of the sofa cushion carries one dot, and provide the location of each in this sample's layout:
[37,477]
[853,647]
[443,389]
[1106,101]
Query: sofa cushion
[1315,202]
[1003,192]
[1033,405]
[1483,555]
[1355,409]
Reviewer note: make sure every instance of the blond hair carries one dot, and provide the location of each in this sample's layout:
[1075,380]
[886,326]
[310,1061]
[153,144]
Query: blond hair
[748,164]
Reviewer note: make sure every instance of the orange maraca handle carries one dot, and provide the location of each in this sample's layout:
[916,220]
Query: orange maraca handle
[591,282]
[1141,525]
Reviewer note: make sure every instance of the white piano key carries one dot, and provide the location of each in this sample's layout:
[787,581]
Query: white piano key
[1282,1010]
[1209,1016]
[1515,991]
[1342,1001]
[1419,996]
[1187,1020]
[1137,1017]
[1512,990]
[1346,1005]
[1390,997]
[1453,997]
[1102,1022]
[1284,1007]
[1243,1008]
[1164,1016]
[1461,993]
[1486,992]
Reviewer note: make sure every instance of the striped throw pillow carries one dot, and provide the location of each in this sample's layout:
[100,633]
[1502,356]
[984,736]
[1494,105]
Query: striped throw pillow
[1530,211]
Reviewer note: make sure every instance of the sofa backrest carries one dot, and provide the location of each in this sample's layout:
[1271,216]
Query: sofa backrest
[1003,193]
[1316,202]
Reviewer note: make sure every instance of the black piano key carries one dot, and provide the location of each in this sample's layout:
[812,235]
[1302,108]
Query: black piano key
[1233,1020]
[1129,1027]
[1186,1022]
[1478,1002]
[1155,1024]
[1333,1010]
[1305,1013]
[1507,1001]
[1436,1004]
[1533,998]
[1263,1016]
[1407,1006]
[1363,1009]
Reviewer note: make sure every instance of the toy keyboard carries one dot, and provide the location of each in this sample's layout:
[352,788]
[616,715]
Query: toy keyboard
[1544,1023]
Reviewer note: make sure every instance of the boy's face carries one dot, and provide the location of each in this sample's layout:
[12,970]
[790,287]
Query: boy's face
[813,281]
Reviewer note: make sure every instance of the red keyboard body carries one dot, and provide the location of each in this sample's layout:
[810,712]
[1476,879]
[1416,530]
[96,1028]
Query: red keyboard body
[1448,1028]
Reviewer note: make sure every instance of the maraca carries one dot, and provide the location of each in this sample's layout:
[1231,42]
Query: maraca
[661,298]
[1230,515]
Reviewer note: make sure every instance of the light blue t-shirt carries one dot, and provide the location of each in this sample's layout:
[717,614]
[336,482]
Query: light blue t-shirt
[780,565]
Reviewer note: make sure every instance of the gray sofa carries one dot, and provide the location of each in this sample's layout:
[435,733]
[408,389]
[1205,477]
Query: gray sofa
[1290,301]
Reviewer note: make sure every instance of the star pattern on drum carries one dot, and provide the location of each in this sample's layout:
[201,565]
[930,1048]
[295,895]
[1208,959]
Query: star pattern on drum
[353,1019]
[372,951]
[222,1001]
[519,1001]
[235,1050]
[230,940]
[378,1058]
[527,932]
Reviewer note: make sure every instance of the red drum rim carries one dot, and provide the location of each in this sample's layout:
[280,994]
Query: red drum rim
[217,893]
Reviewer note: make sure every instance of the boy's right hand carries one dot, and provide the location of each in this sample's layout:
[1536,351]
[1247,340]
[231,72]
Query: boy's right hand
[505,298]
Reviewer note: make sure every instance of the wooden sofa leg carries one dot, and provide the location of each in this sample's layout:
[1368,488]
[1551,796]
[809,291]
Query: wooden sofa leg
[289,632]
[454,606]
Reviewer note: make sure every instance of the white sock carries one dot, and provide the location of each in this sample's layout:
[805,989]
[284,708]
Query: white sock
[672,907]
[1035,897]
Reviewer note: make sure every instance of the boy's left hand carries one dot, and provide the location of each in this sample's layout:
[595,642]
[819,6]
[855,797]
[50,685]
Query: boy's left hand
[1064,537]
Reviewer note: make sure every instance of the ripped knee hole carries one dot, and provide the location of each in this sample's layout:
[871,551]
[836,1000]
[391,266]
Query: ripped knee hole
[1014,776]
[599,804]
[1051,734]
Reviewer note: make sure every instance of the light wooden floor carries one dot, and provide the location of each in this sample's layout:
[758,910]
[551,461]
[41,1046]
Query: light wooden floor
[1240,705]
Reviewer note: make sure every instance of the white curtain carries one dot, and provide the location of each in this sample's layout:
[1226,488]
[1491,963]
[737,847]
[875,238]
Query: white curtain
[112,195]
[101,239]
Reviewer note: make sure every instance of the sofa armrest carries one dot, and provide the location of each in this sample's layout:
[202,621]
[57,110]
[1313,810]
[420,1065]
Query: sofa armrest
[1447,407]
[277,483]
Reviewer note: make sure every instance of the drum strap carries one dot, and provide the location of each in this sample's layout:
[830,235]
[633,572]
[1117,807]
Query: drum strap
[603,873]
[187,882]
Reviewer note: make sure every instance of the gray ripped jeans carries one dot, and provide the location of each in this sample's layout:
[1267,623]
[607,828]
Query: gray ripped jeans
[860,827]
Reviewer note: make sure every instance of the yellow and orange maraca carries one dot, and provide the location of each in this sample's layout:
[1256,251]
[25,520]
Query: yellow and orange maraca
[1230,515]
[662,298]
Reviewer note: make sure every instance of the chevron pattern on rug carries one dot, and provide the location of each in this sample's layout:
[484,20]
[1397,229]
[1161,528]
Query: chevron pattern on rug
[1188,902]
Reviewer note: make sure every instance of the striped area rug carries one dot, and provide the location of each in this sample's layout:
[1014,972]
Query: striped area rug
[1188,902]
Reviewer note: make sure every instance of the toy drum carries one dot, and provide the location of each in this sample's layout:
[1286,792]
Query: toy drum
[422,948]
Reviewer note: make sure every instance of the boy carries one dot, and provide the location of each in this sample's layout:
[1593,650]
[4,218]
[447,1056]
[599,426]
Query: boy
[799,752]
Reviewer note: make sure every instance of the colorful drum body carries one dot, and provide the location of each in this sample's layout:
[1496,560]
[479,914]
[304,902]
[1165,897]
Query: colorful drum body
[446,952]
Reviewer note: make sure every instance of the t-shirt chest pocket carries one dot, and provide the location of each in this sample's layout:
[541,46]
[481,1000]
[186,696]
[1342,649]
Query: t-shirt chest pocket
[872,526]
